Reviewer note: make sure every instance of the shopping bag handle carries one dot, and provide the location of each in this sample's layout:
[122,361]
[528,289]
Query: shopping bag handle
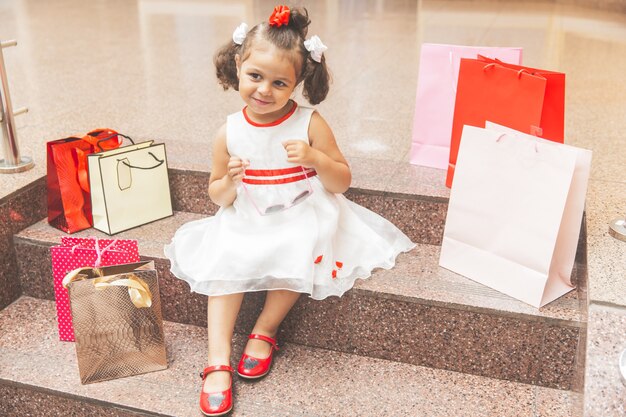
[109,137]
[519,72]
[160,162]
[81,170]
[138,290]
[81,155]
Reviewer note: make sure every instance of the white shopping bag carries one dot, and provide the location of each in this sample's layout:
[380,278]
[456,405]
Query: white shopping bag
[515,213]
[129,187]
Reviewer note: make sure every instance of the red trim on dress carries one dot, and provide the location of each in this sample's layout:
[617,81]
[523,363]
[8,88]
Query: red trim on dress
[273,172]
[279,180]
[270,124]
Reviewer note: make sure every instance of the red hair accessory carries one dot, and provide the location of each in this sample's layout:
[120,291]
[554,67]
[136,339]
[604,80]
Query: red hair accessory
[280,16]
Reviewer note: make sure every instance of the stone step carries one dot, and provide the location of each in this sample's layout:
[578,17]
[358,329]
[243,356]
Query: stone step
[417,313]
[39,376]
[414,198]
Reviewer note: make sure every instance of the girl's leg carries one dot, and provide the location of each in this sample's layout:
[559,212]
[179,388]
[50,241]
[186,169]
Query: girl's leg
[222,313]
[277,304]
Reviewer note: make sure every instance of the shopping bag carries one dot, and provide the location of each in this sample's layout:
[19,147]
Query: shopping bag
[77,252]
[515,213]
[436,92]
[491,91]
[129,187]
[552,121]
[117,321]
[69,205]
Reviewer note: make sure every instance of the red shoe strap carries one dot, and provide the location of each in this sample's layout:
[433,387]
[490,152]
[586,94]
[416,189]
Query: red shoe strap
[215,368]
[265,339]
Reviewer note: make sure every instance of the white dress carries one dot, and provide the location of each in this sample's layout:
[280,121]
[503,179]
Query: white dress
[318,246]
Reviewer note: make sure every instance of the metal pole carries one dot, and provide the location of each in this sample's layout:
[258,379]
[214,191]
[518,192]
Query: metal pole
[13,161]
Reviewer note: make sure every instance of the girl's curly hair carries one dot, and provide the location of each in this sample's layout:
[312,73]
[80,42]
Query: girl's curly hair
[289,38]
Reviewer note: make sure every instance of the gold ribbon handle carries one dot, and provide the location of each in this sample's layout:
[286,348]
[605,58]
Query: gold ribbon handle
[80,274]
[138,290]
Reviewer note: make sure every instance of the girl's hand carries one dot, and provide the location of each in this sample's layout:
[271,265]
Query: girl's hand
[236,168]
[299,152]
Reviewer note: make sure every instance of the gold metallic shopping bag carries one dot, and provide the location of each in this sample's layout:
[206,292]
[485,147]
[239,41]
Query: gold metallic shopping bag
[117,318]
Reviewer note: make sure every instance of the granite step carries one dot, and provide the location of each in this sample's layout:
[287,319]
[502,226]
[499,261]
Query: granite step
[417,313]
[39,376]
[414,198]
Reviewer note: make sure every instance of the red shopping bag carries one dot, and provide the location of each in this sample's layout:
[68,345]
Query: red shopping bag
[69,203]
[492,92]
[553,112]
[75,252]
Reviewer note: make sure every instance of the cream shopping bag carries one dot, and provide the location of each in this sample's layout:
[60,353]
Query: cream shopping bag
[129,187]
[515,213]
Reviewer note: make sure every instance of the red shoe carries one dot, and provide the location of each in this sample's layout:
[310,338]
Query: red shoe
[253,368]
[216,403]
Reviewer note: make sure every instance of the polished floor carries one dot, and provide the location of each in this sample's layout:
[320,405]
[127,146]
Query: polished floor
[145,68]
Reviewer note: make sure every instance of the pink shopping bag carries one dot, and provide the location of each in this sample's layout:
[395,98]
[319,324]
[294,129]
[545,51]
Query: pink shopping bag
[78,252]
[436,92]
[515,212]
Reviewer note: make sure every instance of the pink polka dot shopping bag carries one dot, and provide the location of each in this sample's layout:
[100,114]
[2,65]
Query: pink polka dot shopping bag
[78,252]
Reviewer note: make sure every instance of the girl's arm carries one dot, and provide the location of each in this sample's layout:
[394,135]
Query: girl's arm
[226,172]
[323,154]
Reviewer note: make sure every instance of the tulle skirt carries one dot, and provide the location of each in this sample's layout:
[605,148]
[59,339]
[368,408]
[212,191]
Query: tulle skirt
[318,247]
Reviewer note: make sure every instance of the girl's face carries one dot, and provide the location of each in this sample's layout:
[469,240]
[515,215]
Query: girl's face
[266,80]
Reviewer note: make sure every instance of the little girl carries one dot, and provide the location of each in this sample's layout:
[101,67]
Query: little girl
[283,224]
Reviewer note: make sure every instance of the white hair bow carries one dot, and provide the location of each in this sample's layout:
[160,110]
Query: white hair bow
[239,35]
[315,46]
